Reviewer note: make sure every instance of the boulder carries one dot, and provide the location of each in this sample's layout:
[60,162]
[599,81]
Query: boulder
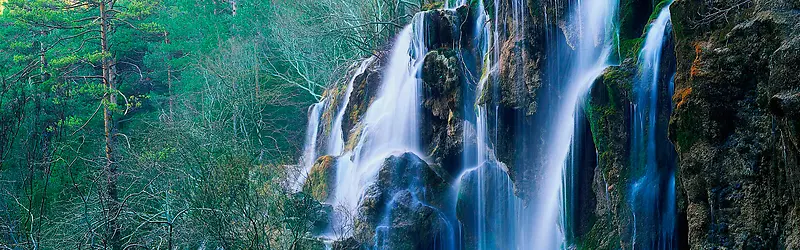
[403,201]
[785,104]
[321,179]
[412,224]
[442,125]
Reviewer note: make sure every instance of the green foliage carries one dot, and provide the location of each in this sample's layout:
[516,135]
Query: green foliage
[202,124]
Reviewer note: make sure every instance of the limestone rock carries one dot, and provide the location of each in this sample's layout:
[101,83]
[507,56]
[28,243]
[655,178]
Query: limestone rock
[403,202]
[321,179]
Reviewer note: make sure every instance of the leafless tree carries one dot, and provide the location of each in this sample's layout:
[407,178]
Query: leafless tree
[314,39]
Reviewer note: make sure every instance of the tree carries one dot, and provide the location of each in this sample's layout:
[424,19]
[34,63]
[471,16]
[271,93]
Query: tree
[149,124]
[314,41]
[78,38]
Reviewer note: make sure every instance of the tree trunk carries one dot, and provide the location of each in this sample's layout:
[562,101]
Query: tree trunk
[110,169]
[169,78]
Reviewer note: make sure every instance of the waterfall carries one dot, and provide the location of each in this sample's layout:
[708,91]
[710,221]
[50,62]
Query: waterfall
[593,21]
[336,139]
[390,126]
[310,146]
[652,157]
[491,212]
[485,196]
[501,220]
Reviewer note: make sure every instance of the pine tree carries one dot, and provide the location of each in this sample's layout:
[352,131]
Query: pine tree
[75,41]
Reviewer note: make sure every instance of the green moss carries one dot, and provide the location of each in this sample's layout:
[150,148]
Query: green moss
[605,112]
[603,115]
[599,233]
[320,181]
[631,39]
[687,135]
[432,6]
[599,118]
[630,48]
[626,15]
[618,80]
[535,9]
[631,19]
[657,10]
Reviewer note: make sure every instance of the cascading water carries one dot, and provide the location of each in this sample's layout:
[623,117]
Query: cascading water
[310,146]
[500,219]
[593,21]
[653,194]
[491,214]
[390,126]
[336,139]
[485,200]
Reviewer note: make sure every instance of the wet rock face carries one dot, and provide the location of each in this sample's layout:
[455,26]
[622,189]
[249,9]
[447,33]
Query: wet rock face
[737,147]
[784,68]
[321,179]
[608,110]
[520,76]
[608,113]
[518,95]
[365,88]
[404,202]
[414,225]
[486,204]
[441,27]
[786,104]
[442,124]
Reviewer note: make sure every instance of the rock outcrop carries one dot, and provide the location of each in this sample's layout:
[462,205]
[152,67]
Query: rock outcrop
[736,138]
[403,207]
[442,124]
[609,115]
[322,178]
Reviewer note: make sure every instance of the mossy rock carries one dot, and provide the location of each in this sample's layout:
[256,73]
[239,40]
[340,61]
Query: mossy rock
[520,76]
[432,5]
[442,127]
[365,91]
[608,112]
[321,180]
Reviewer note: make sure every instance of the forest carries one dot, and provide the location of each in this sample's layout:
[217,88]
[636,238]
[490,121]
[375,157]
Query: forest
[166,124]
[399,124]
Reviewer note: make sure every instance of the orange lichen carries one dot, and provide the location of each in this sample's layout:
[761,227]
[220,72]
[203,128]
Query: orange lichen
[695,70]
[680,96]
